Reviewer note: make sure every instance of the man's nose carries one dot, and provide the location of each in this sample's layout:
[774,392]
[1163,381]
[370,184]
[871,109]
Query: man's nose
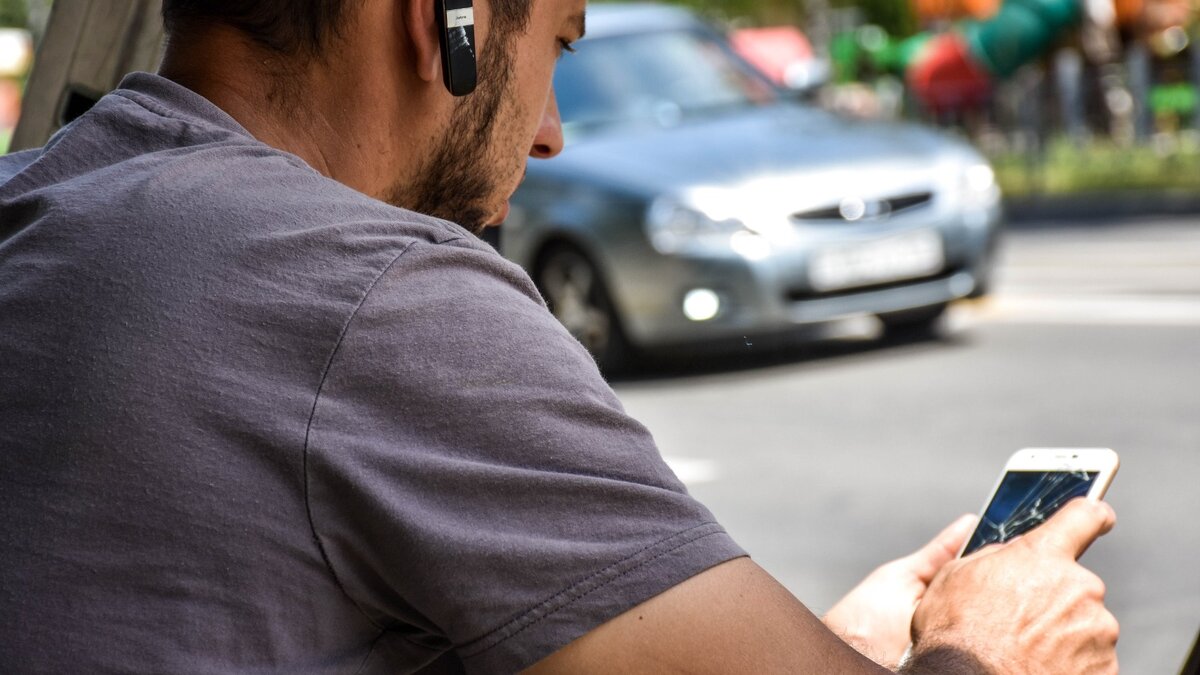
[548,141]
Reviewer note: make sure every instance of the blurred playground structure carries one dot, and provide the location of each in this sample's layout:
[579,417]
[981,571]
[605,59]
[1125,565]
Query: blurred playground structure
[16,54]
[1139,49]
[1036,79]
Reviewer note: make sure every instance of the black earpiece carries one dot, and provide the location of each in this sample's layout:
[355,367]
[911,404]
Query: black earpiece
[456,32]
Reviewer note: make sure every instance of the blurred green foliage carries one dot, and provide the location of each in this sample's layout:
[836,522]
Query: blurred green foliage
[761,12]
[1099,166]
[1173,99]
[894,16]
[14,13]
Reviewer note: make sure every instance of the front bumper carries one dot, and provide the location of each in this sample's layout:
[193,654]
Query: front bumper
[773,294]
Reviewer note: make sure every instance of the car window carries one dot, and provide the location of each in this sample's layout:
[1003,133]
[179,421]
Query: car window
[652,77]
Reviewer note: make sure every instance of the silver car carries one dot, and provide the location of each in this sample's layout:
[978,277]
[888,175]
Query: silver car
[696,202]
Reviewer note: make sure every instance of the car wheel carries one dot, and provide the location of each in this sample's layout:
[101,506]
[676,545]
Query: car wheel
[922,323]
[577,297]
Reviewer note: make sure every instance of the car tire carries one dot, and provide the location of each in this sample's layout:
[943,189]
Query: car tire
[922,323]
[577,296]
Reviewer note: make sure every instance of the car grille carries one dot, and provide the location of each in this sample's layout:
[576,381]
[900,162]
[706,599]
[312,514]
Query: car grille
[871,208]
[800,295]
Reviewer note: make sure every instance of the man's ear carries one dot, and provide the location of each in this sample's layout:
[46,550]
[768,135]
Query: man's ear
[421,24]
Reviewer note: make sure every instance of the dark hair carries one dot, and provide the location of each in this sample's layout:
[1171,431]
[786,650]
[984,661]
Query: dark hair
[302,26]
[287,26]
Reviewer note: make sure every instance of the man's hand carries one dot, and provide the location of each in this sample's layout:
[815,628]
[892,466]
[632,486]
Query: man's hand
[1022,607]
[876,617]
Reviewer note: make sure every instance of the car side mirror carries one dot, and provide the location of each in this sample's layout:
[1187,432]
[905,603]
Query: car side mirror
[804,78]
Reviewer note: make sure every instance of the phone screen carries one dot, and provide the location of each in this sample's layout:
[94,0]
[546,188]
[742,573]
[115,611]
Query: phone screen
[1024,500]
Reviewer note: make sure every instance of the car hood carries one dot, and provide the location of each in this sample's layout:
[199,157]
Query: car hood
[747,145]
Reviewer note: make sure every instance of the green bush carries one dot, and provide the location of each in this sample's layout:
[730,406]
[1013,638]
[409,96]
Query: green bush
[14,13]
[1067,168]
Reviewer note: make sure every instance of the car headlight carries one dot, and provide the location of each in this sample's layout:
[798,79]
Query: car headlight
[676,228]
[978,187]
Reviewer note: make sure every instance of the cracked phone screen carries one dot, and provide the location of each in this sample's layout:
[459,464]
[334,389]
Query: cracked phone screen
[1024,500]
[460,39]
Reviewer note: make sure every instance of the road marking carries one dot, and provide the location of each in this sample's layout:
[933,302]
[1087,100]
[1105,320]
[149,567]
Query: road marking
[693,471]
[1115,281]
[1082,309]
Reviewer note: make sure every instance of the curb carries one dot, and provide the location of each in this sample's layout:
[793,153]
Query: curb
[1089,208]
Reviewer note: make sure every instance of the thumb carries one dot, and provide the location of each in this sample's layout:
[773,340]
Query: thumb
[943,548]
[1074,527]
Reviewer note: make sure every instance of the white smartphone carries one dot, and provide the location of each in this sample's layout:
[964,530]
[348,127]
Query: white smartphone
[1037,482]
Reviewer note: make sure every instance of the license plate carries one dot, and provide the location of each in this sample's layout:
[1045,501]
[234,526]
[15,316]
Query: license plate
[911,255]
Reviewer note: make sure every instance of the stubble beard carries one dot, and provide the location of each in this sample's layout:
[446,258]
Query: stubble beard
[463,177]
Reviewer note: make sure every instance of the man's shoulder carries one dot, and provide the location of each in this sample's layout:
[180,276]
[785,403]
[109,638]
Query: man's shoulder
[260,186]
[196,201]
[12,164]
[163,153]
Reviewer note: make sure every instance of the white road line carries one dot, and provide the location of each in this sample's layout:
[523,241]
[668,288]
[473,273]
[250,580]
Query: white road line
[1084,309]
[1122,254]
[693,471]
[1181,274]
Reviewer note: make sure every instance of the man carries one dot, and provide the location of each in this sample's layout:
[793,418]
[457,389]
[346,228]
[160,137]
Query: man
[260,415]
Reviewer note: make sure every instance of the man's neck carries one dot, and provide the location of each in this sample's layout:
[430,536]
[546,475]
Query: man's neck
[311,109]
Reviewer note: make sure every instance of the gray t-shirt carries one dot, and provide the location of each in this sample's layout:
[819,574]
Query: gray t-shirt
[252,420]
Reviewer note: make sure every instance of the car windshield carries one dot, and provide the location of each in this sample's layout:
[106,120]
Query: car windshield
[657,77]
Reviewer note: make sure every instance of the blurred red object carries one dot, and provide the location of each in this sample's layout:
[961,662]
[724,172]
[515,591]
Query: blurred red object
[955,9]
[947,78]
[10,104]
[774,51]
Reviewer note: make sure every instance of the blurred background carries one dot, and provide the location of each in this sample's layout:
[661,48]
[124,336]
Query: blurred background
[1053,91]
[21,22]
[844,257]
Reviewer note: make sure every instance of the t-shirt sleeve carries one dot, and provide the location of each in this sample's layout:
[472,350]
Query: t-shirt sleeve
[474,482]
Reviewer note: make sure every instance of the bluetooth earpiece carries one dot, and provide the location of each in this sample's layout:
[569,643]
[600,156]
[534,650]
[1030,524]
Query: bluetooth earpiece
[456,32]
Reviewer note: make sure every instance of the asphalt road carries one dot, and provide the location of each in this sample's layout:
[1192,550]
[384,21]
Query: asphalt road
[828,459]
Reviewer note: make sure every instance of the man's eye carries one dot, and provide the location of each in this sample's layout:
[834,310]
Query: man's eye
[565,46]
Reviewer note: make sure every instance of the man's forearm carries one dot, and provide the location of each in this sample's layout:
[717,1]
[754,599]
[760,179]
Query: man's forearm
[731,618]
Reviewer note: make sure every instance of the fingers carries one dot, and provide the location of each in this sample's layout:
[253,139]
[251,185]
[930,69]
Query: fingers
[942,548]
[1075,527]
